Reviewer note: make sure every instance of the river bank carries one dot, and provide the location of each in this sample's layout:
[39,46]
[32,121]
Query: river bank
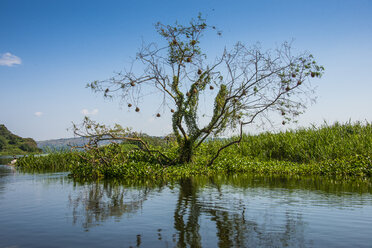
[342,150]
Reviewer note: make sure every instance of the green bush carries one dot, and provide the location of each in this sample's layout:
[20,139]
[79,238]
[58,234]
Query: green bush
[59,161]
[2,143]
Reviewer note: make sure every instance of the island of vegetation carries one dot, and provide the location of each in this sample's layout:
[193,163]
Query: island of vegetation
[247,84]
[338,150]
[11,144]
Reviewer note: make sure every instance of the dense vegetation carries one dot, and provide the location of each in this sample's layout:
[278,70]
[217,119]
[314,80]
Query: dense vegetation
[337,150]
[11,144]
[310,144]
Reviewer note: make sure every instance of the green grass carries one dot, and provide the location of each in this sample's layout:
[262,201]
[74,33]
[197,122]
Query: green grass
[340,150]
[354,166]
[310,144]
[53,162]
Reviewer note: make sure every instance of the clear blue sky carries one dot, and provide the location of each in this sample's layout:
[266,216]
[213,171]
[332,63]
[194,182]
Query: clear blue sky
[50,49]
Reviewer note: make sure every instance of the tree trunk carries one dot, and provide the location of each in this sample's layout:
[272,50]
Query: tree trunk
[186,151]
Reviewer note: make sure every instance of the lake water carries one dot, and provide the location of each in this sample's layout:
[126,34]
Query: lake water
[51,210]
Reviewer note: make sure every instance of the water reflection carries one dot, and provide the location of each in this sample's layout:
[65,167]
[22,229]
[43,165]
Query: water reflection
[228,209]
[5,160]
[5,172]
[233,229]
[95,202]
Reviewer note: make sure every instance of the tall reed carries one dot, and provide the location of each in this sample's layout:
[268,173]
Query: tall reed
[312,144]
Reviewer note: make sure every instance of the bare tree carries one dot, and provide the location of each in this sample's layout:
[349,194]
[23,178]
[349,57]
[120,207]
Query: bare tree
[250,84]
[96,133]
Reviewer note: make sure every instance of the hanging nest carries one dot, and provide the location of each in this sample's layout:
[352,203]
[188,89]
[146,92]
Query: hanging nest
[293,75]
[137,109]
[199,71]
[129,105]
[193,42]
[299,82]
[188,94]
[287,89]
[283,122]
[157,115]
[312,74]
[195,91]
[211,87]
[172,110]
[188,60]
[132,84]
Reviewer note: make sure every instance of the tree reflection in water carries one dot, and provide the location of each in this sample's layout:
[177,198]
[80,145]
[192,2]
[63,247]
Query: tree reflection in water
[96,202]
[211,212]
[232,228]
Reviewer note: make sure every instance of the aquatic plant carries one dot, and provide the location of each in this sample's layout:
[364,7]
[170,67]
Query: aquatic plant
[53,162]
[342,150]
[313,144]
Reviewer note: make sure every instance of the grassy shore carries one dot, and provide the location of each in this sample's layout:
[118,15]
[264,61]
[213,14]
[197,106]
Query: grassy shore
[342,150]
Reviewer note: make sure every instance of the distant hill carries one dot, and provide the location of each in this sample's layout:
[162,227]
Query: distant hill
[61,144]
[66,143]
[11,144]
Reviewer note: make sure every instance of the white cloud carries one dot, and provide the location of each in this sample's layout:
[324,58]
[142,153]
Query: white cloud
[38,114]
[87,112]
[8,59]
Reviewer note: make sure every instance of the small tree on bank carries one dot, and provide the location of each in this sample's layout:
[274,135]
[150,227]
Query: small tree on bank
[250,84]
